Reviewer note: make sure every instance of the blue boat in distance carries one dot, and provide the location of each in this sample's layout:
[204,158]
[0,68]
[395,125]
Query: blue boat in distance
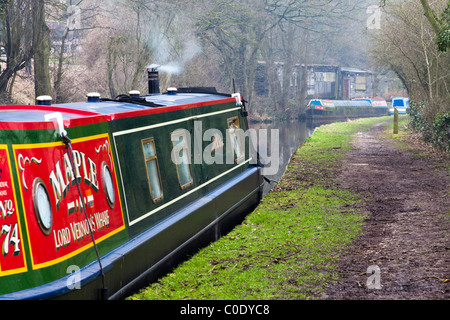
[399,103]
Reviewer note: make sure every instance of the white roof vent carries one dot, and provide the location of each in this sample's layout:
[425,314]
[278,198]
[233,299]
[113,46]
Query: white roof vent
[93,97]
[172,91]
[44,101]
[134,93]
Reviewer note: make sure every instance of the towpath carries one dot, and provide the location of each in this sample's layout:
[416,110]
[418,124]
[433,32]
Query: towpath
[405,243]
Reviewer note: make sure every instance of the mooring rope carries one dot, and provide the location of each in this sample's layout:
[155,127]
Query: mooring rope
[68,146]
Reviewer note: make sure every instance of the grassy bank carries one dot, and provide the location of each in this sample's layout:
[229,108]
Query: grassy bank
[288,247]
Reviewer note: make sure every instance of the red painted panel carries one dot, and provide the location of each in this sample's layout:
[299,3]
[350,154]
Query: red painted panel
[12,257]
[50,164]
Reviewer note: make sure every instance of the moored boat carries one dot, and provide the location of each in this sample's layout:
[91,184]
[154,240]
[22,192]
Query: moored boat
[375,102]
[401,104]
[345,109]
[101,196]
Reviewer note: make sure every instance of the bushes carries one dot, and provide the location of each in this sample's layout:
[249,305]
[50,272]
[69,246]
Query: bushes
[434,126]
[441,130]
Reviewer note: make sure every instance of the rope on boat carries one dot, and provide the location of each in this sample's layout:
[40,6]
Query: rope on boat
[68,146]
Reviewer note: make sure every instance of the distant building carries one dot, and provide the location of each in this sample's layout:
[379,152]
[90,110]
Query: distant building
[357,83]
[322,81]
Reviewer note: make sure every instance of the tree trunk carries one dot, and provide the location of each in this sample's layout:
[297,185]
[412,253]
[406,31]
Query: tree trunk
[59,71]
[41,46]
[111,63]
[429,14]
[287,68]
[303,72]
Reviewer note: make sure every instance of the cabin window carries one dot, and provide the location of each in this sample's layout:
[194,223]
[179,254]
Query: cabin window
[181,158]
[398,103]
[151,163]
[236,139]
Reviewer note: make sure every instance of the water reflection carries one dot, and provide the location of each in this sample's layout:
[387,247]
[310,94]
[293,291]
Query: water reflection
[292,134]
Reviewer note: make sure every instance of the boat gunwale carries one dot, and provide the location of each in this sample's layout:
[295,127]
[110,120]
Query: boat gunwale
[164,109]
[91,272]
[89,117]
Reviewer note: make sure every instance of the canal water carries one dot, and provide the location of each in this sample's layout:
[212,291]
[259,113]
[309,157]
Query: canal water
[291,135]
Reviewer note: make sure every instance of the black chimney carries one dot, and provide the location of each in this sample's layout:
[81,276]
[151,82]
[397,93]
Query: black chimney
[153,79]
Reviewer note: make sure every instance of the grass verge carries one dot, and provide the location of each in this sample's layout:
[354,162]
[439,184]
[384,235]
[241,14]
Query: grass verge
[403,132]
[288,247]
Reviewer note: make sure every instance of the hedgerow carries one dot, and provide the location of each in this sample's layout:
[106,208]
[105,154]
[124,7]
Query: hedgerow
[434,126]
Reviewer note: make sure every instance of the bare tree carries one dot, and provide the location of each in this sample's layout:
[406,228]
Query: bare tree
[408,47]
[236,29]
[145,36]
[16,41]
[75,19]
[239,31]
[440,25]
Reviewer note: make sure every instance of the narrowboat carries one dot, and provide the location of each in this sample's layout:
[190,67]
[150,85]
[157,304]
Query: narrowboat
[344,109]
[100,197]
[399,103]
[375,102]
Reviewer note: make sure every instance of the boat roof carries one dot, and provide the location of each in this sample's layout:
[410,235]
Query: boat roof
[400,98]
[368,99]
[355,70]
[108,107]
[339,103]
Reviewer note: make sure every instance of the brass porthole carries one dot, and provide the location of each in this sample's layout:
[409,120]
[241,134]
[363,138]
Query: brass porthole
[42,206]
[108,185]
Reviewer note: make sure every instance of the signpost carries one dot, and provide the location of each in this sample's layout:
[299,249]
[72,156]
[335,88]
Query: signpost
[395,121]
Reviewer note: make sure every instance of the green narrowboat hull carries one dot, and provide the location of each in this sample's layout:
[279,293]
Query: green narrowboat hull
[122,209]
